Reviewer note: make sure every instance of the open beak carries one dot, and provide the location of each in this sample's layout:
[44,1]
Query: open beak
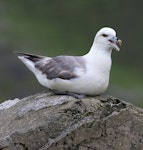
[115,42]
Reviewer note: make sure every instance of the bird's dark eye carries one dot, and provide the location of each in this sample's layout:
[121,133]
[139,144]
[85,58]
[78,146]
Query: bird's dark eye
[105,35]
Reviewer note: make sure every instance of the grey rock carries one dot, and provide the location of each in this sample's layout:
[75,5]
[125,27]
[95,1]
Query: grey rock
[50,122]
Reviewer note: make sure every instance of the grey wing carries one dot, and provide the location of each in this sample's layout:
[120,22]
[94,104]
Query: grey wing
[61,67]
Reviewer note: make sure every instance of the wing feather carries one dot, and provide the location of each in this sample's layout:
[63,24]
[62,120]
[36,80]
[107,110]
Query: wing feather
[60,67]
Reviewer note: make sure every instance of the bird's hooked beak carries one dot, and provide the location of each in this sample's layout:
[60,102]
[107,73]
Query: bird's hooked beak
[115,41]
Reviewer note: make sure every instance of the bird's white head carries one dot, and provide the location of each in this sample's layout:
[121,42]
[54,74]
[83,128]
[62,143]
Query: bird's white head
[106,39]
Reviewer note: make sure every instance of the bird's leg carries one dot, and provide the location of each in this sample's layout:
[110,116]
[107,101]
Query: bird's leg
[78,96]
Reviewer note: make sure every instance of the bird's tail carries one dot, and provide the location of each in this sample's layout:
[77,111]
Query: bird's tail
[29,60]
[28,56]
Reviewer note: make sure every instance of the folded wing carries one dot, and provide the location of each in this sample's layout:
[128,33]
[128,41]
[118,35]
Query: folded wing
[63,67]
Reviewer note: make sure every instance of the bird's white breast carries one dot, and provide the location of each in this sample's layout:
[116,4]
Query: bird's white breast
[97,74]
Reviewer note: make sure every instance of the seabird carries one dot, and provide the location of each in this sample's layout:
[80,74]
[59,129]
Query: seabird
[77,76]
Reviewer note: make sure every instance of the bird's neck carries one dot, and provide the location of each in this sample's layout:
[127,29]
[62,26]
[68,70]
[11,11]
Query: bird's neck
[101,58]
[98,49]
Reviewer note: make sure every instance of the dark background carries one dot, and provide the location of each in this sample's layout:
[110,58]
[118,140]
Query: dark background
[57,27]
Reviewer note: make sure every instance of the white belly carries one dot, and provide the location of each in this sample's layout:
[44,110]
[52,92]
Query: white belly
[89,84]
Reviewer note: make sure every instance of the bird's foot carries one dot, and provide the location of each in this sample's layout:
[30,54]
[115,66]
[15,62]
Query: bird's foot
[75,95]
[78,96]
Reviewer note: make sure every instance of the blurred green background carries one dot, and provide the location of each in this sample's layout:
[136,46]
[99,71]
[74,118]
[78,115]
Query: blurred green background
[57,27]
